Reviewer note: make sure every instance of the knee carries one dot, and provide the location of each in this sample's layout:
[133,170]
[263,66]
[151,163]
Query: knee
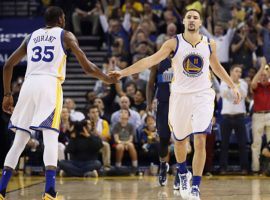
[119,147]
[199,143]
[106,145]
[180,144]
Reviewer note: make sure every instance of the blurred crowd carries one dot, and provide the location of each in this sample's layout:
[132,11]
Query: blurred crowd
[117,123]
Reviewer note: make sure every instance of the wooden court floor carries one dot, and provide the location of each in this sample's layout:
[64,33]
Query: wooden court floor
[142,188]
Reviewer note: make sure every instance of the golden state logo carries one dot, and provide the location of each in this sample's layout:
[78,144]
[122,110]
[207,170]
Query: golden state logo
[193,65]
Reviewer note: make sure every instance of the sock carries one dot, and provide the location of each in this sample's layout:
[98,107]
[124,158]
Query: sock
[6,175]
[196,180]
[118,164]
[182,167]
[50,182]
[135,163]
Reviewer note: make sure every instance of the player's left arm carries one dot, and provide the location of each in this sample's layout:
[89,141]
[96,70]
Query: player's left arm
[220,71]
[13,60]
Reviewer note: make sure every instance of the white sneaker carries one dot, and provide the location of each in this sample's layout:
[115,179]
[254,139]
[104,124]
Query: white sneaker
[185,184]
[195,193]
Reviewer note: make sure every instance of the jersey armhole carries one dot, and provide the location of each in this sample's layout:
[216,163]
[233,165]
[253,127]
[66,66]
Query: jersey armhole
[177,44]
[28,39]
[62,41]
[209,45]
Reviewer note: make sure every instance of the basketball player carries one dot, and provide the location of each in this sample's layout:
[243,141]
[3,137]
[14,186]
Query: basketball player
[160,79]
[191,103]
[40,101]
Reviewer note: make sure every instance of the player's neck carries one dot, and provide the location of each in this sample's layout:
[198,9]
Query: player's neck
[192,37]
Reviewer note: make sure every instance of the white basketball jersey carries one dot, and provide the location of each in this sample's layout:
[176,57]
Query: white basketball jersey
[191,66]
[46,54]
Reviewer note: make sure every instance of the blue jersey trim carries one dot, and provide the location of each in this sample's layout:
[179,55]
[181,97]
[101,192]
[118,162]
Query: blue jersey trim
[10,126]
[209,46]
[207,131]
[62,41]
[39,128]
[177,44]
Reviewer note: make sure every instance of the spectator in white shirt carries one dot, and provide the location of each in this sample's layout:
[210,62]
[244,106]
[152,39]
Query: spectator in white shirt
[223,41]
[233,119]
[71,106]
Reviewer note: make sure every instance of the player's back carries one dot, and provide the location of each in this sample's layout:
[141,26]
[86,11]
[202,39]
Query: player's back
[191,66]
[46,54]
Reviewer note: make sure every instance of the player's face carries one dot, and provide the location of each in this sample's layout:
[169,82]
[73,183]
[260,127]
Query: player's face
[192,21]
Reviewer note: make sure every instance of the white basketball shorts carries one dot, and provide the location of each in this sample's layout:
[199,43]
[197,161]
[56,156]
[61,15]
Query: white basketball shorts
[191,113]
[39,105]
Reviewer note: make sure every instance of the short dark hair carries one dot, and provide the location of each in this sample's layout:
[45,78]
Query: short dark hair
[124,109]
[193,10]
[52,14]
[91,107]
[236,66]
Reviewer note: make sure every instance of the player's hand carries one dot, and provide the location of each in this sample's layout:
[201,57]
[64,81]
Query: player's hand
[111,80]
[115,74]
[7,104]
[237,96]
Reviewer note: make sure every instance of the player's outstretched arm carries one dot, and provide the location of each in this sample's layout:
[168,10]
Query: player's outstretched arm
[90,68]
[147,62]
[12,61]
[221,73]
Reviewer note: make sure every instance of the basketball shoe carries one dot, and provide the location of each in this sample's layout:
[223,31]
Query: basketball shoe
[195,193]
[46,196]
[176,184]
[1,197]
[185,184]
[162,177]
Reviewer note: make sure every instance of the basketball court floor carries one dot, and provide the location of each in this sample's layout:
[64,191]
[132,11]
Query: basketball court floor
[140,187]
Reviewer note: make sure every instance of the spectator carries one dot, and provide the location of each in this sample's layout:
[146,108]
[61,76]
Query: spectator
[139,104]
[133,6]
[101,108]
[66,128]
[83,149]
[260,86]
[109,6]
[223,40]
[114,29]
[265,34]
[171,32]
[71,106]
[233,119]
[134,117]
[123,133]
[90,96]
[100,128]
[242,47]
[130,88]
[149,140]
[140,83]
[84,11]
